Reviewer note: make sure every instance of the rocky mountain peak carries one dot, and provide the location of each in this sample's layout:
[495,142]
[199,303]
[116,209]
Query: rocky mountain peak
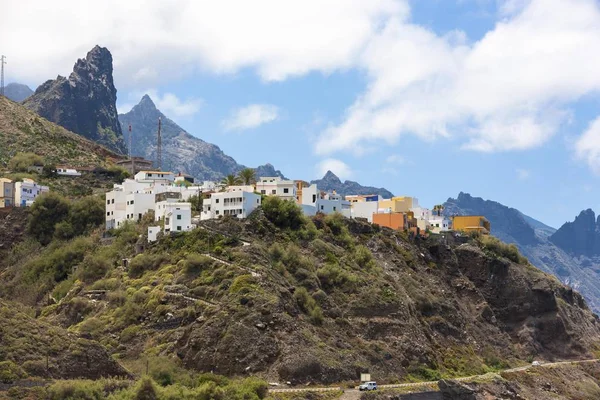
[147,103]
[17,92]
[580,237]
[330,177]
[85,103]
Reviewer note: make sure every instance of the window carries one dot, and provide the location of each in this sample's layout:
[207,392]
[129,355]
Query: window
[286,190]
[112,201]
[178,216]
[108,213]
[314,198]
[257,201]
[321,207]
[178,228]
[139,216]
[333,208]
[217,212]
[107,201]
[263,192]
[274,191]
[217,201]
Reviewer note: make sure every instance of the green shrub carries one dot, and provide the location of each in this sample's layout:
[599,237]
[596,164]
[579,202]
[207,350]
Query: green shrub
[243,284]
[195,263]
[496,246]
[21,161]
[93,268]
[333,276]
[283,213]
[146,262]
[58,260]
[47,211]
[10,372]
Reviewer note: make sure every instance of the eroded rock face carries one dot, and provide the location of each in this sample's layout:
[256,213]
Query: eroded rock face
[85,102]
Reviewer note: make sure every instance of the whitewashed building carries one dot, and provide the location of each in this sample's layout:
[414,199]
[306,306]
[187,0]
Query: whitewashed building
[154,176]
[275,186]
[138,204]
[176,216]
[153,232]
[65,170]
[27,191]
[364,209]
[439,224]
[314,201]
[235,203]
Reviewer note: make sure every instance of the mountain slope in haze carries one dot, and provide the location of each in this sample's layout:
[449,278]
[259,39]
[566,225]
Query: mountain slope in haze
[182,152]
[580,237]
[17,92]
[84,103]
[534,240]
[331,182]
[22,130]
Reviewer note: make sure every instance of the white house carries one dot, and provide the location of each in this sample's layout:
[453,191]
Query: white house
[138,204]
[27,191]
[153,233]
[364,209]
[177,216]
[439,224]
[235,203]
[67,171]
[154,176]
[325,203]
[275,186]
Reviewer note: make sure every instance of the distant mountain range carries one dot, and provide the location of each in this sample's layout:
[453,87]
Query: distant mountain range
[331,182]
[571,253]
[17,92]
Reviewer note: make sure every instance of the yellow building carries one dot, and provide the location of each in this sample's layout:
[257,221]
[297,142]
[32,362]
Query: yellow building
[471,223]
[399,204]
[7,193]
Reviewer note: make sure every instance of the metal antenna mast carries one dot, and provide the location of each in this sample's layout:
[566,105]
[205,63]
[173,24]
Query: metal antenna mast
[131,151]
[159,147]
[2,62]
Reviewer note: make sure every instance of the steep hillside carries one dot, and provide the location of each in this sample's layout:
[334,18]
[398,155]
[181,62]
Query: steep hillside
[17,92]
[317,303]
[40,349]
[84,103]
[580,237]
[535,240]
[181,151]
[21,130]
[331,182]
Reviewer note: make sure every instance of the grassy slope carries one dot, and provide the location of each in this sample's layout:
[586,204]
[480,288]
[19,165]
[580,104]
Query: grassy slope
[373,301]
[22,130]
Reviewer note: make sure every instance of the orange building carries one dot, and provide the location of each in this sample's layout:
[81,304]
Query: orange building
[391,220]
[471,223]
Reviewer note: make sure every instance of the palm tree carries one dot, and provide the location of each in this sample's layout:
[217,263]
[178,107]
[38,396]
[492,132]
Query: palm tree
[230,180]
[247,176]
[438,208]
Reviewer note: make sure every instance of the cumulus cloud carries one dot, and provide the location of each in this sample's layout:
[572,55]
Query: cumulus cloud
[169,103]
[153,40]
[338,167]
[511,90]
[587,147]
[251,116]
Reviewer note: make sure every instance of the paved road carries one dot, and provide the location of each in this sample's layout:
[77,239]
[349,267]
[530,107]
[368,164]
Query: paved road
[354,394]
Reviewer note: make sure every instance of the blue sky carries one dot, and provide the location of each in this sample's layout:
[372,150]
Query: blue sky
[427,98]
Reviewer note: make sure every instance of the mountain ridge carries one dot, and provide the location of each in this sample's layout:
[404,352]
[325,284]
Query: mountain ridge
[331,182]
[17,92]
[85,102]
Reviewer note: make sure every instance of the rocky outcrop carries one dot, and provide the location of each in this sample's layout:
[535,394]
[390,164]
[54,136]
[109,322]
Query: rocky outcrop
[580,237]
[182,152]
[17,92]
[569,253]
[331,182]
[85,102]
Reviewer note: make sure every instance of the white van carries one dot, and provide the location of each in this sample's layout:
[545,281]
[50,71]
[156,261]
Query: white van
[368,386]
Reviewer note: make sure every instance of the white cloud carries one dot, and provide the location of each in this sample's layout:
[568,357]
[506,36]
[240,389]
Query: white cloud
[251,116]
[170,105]
[587,147]
[523,174]
[511,90]
[153,40]
[395,160]
[338,167]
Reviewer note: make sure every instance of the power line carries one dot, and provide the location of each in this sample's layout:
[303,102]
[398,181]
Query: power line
[2,62]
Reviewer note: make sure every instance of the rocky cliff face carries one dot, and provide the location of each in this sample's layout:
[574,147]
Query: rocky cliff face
[566,253]
[182,152]
[85,102]
[331,182]
[580,237]
[17,92]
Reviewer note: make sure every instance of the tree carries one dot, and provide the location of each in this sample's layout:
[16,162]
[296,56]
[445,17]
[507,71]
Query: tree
[48,210]
[283,213]
[247,176]
[438,208]
[21,161]
[230,180]
[86,214]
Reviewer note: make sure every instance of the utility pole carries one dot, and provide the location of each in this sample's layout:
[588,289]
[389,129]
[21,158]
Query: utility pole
[159,147]
[2,62]
[131,151]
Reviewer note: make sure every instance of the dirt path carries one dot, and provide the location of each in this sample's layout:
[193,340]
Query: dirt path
[350,394]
